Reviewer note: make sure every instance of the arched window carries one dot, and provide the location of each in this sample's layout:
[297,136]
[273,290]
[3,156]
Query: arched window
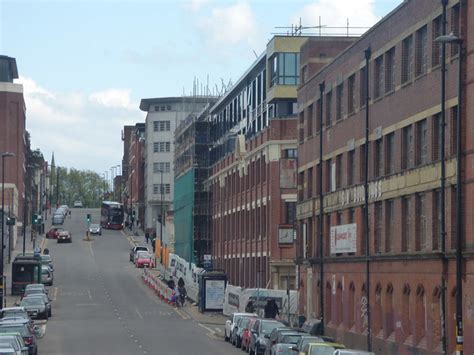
[406,316]
[351,307]
[388,306]
[420,316]
[377,318]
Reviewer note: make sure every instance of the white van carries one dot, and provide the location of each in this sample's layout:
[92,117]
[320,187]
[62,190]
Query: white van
[58,219]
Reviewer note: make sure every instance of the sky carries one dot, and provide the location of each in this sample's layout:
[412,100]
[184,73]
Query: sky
[86,64]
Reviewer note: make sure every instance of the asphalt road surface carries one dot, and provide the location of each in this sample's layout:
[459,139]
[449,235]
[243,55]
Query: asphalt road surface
[101,306]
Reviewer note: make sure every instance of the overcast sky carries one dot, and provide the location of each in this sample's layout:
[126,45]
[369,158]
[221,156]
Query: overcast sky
[85,64]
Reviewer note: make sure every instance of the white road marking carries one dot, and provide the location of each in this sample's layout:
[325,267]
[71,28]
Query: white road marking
[208,329]
[89,293]
[139,314]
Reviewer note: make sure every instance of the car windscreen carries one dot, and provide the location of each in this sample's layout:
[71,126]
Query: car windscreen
[322,350]
[291,338]
[267,327]
[14,328]
[94,226]
[32,301]
[144,255]
[33,291]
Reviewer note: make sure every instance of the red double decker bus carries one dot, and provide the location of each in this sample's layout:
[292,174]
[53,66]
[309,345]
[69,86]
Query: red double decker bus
[111,215]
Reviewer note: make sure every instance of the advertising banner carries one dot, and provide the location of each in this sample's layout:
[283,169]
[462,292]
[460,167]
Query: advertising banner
[344,238]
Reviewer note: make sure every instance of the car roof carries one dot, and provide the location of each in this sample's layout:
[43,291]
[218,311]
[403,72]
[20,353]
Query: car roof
[16,321]
[16,308]
[35,286]
[326,345]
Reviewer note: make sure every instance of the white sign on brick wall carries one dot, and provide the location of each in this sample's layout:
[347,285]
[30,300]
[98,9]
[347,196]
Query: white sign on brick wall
[344,238]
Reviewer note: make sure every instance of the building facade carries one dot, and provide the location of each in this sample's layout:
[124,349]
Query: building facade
[163,116]
[392,285]
[253,178]
[12,140]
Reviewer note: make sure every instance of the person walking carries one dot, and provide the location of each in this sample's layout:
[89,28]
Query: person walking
[249,308]
[271,309]
[147,236]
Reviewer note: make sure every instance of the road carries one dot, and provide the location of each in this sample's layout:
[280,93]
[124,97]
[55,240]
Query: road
[101,306]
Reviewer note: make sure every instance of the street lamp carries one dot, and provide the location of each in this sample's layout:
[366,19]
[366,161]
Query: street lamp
[454,40]
[162,190]
[4,155]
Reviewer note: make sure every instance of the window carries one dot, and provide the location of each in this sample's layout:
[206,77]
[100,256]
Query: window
[436,217]
[351,94]
[350,167]
[388,225]
[161,126]
[378,158]
[436,137]
[162,166]
[362,163]
[453,111]
[378,232]
[363,87]
[309,183]
[284,69]
[378,77]
[436,29]
[291,153]
[407,148]
[339,101]
[328,175]
[407,59]
[421,222]
[290,213]
[390,70]
[338,171]
[328,108]
[318,115]
[454,27]
[301,127]
[406,223]
[422,142]
[168,108]
[421,53]
[159,188]
[309,121]
[389,153]
[161,147]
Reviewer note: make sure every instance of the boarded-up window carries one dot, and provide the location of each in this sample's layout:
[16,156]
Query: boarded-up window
[288,173]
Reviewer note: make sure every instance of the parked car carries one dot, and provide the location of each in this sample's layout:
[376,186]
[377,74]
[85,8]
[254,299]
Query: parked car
[47,260]
[143,259]
[33,288]
[47,276]
[28,333]
[321,348]
[277,334]
[231,323]
[287,339]
[246,335]
[352,352]
[64,237]
[282,349]
[236,335]
[77,204]
[46,301]
[16,341]
[53,232]
[306,339]
[95,229]
[9,312]
[135,249]
[261,333]
[35,306]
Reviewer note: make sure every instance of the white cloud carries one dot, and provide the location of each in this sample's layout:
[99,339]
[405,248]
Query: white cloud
[335,13]
[113,98]
[83,130]
[196,5]
[231,25]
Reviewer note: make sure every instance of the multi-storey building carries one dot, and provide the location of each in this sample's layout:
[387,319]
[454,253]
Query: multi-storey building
[126,137]
[191,195]
[12,140]
[392,284]
[253,178]
[163,116]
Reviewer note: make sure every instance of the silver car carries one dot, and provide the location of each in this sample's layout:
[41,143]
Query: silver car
[47,276]
[95,229]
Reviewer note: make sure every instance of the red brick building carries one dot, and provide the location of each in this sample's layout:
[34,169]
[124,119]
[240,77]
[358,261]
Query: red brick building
[253,176]
[12,140]
[401,274]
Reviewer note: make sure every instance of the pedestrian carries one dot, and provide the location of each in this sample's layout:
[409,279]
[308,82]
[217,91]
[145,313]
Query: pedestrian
[249,308]
[69,213]
[153,244]
[271,309]
[147,236]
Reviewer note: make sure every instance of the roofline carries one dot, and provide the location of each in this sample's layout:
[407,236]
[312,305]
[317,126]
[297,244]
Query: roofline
[13,66]
[146,103]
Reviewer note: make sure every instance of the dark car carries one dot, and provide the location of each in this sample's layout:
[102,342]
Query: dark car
[46,300]
[260,334]
[277,334]
[35,307]
[27,332]
[53,232]
[287,339]
[64,237]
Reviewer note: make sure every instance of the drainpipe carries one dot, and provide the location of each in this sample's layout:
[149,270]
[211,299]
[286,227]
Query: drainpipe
[321,209]
[367,54]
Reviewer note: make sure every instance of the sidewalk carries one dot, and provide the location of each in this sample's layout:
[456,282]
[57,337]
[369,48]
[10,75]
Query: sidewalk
[18,248]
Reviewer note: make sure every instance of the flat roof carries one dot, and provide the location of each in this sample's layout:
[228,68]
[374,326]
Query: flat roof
[146,103]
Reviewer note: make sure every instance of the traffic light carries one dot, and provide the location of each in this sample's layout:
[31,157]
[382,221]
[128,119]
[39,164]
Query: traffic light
[35,219]
[88,217]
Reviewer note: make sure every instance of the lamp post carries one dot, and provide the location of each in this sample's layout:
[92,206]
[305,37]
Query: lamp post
[162,190]
[119,173]
[4,155]
[454,40]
